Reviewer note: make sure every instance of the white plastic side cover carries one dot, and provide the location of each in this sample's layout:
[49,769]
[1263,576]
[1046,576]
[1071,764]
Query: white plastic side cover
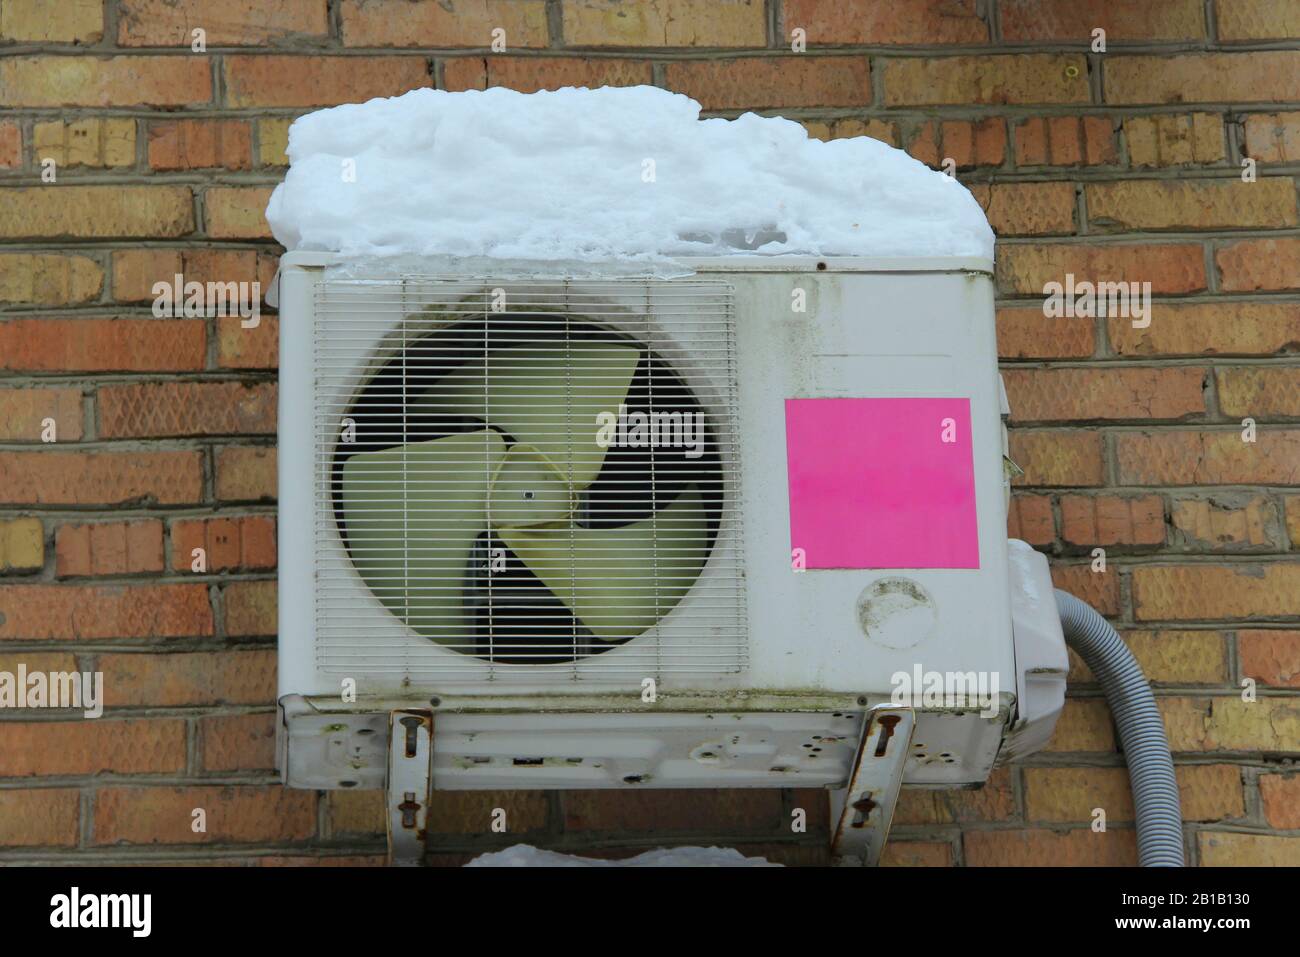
[1041,659]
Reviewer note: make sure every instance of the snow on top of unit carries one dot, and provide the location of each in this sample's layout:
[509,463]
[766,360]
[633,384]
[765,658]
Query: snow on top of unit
[597,175]
[524,855]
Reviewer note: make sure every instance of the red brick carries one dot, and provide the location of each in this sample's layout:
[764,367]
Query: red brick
[242,541]
[237,742]
[1184,457]
[881,23]
[24,411]
[162,23]
[109,548]
[1112,520]
[115,81]
[164,815]
[1259,265]
[1065,141]
[100,478]
[135,271]
[92,612]
[198,144]
[975,143]
[1025,333]
[773,82]
[748,808]
[1046,395]
[102,345]
[151,409]
[1270,657]
[319,80]
[530,74]
[1027,209]
[198,678]
[1099,589]
[1030,519]
[11,145]
[471,812]
[1280,796]
[1074,20]
[50,748]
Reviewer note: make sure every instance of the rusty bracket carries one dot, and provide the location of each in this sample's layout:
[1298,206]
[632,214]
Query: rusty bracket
[874,783]
[410,784]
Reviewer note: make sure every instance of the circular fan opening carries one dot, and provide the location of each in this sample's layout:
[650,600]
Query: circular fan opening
[535,489]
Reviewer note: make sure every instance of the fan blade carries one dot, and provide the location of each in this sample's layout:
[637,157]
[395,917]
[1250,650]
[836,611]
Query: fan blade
[528,490]
[412,513]
[619,581]
[546,396]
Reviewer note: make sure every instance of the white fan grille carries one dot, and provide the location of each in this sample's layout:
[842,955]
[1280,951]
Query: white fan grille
[466,526]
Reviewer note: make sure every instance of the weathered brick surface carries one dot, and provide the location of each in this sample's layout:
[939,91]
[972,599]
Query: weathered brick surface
[399,23]
[109,548]
[164,815]
[1123,166]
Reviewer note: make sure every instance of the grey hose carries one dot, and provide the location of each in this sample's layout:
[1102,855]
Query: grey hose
[1141,730]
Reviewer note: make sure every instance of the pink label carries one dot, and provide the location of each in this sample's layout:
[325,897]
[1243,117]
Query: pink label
[881,483]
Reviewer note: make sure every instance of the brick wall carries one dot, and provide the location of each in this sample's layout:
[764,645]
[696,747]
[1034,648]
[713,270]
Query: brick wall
[1115,165]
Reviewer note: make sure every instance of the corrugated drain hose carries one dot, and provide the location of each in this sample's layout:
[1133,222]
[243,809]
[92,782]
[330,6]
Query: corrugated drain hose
[1141,730]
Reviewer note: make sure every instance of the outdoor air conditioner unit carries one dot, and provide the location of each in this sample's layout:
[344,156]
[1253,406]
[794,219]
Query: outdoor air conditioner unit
[621,532]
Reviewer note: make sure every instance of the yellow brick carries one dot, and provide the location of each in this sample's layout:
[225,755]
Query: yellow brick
[1020,78]
[916,854]
[1172,657]
[1248,850]
[273,140]
[1184,592]
[1168,204]
[1257,19]
[1208,792]
[94,212]
[840,129]
[86,142]
[1293,519]
[1228,723]
[1085,725]
[1226,522]
[60,21]
[22,545]
[237,212]
[49,280]
[1172,139]
[665,23]
[357,812]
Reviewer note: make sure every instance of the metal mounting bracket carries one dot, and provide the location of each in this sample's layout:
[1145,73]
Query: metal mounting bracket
[874,783]
[410,784]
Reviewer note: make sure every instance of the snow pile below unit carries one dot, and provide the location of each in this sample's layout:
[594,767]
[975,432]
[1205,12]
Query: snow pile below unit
[578,175]
[524,855]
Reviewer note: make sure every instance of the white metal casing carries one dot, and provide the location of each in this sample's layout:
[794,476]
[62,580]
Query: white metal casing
[879,328]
